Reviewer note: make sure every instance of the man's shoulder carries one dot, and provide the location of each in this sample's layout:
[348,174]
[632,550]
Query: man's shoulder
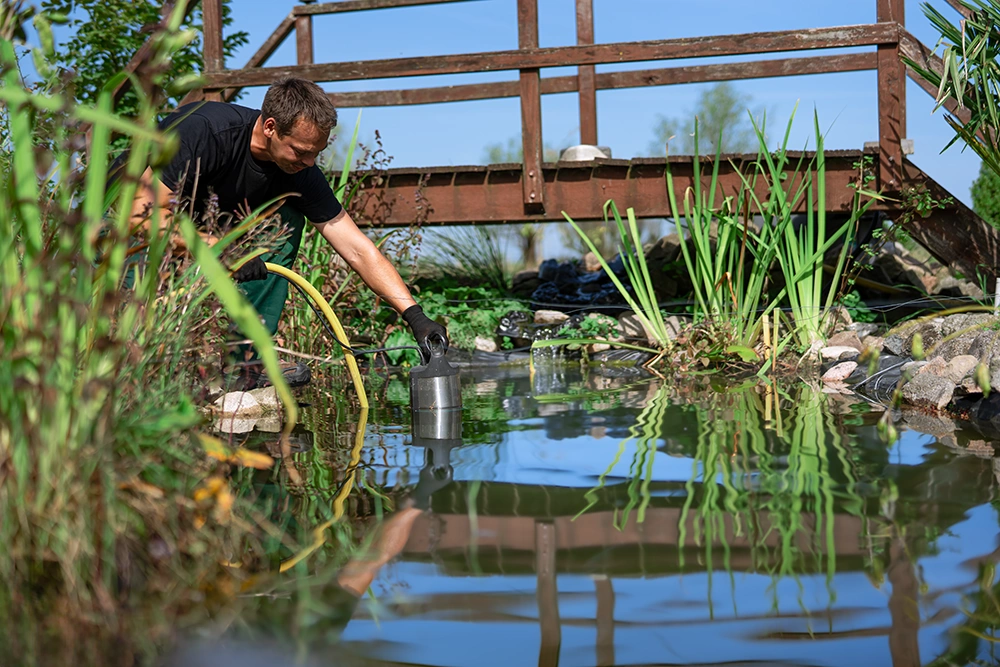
[215,116]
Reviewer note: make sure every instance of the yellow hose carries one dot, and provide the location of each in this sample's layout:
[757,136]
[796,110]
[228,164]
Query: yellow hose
[321,303]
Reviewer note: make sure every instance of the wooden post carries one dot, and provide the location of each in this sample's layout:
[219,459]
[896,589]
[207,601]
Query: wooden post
[891,101]
[547,593]
[605,621]
[531,106]
[211,15]
[304,39]
[586,77]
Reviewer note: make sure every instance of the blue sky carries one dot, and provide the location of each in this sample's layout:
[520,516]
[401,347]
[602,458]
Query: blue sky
[454,134]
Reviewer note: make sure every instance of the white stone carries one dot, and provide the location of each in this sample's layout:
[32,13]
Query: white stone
[840,372]
[484,344]
[238,404]
[235,425]
[834,351]
[550,317]
[594,348]
[267,398]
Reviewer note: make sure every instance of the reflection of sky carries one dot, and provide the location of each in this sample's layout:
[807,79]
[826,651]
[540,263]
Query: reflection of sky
[695,617]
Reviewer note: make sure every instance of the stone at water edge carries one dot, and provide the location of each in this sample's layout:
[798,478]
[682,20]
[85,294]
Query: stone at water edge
[267,398]
[550,317]
[484,344]
[840,372]
[235,425]
[935,366]
[845,339]
[832,353]
[927,390]
[239,404]
[959,367]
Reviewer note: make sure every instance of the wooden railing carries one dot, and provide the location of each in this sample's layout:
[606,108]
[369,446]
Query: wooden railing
[887,35]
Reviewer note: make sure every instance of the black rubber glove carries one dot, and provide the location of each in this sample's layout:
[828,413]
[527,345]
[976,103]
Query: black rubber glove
[252,270]
[425,330]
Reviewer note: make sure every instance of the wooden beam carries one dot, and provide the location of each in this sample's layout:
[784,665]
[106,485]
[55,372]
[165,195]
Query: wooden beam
[666,76]
[272,43]
[531,106]
[586,74]
[697,47]
[211,14]
[362,5]
[304,40]
[891,101]
[547,592]
[960,8]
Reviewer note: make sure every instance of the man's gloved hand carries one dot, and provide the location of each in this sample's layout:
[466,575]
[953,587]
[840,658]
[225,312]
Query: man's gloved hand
[425,330]
[252,270]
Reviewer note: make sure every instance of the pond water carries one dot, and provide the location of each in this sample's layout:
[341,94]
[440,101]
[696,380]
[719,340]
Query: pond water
[592,520]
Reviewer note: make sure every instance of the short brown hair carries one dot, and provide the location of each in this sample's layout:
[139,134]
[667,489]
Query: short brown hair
[290,98]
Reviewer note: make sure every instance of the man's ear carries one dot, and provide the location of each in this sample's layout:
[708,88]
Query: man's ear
[270,127]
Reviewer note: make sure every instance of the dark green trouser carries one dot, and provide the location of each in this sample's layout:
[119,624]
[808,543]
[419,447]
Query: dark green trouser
[268,296]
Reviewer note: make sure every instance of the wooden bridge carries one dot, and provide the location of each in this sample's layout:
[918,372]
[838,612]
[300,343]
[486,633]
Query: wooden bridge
[539,191]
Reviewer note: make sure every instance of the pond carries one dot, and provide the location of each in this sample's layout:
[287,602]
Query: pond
[585,519]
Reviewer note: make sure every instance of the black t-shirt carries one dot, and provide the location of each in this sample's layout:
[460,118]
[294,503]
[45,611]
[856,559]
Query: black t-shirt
[215,143]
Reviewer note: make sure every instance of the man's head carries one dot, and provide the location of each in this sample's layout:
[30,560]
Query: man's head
[296,118]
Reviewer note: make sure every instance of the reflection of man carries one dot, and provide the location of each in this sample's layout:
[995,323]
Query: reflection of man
[239,158]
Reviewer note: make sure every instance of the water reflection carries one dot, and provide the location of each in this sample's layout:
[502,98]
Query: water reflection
[586,520]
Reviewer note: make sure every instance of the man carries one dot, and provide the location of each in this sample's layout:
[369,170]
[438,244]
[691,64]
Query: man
[240,158]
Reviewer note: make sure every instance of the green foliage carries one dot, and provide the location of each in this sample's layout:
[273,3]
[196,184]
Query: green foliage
[721,116]
[107,33]
[986,195]
[594,326]
[859,311]
[467,311]
[476,255]
[970,75]
[100,458]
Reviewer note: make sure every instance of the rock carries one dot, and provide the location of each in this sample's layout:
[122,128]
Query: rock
[550,317]
[633,329]
[235,425]
[959,367]
[935,366]
[846,339]
[968,387]
[524,283]
[995,374]
[957,346]
[900,266]
[838,352]
[948,285]
[267,398]
[484,344]
[840,372]
[872,343]
[864,329]
[927,390]
[839,319]
[985,345]
[594,348]
[665,250]
[897,345]
[590,263]
[238,404]
[912,368]
[966,321]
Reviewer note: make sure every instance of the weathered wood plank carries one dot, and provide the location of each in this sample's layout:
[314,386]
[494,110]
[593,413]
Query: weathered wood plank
[762,69]
[531,107]
[586,75]
[211,14]
[304,40]
[696,47]
[362,5]
[891,101]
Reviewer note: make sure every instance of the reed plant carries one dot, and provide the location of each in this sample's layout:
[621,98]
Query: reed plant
[108,500]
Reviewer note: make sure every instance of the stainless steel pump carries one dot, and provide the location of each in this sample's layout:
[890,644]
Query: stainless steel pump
[435,385]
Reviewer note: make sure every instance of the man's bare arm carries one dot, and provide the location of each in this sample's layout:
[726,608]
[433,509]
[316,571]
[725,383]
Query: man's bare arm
[149,193]
[365,258]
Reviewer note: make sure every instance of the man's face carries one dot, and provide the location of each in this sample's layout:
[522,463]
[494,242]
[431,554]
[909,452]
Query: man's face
[299,148]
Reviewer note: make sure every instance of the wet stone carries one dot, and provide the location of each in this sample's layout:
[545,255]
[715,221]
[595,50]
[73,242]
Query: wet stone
[838,352]
[840,372]
[927,390]
[845,339]
[238,403]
